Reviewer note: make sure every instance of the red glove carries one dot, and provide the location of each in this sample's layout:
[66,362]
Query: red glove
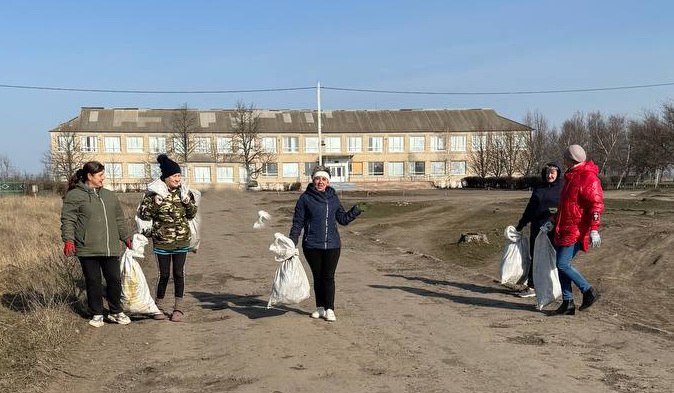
[69,248]
[128,243]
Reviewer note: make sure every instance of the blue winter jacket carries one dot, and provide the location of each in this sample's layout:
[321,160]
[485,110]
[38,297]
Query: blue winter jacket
[318,214]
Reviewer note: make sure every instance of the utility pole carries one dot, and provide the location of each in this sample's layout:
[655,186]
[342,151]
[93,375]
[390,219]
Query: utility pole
[320,141]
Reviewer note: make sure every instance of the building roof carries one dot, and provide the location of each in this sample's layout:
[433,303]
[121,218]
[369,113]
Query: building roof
[134,120]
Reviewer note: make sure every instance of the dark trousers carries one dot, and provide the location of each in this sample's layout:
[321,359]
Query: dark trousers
[91,268]
[323,264]
[164,263]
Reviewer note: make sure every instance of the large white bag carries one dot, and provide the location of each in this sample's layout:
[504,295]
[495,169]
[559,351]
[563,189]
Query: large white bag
[136,296]
[195,223]
[546,277]
[291,284]
[515,261]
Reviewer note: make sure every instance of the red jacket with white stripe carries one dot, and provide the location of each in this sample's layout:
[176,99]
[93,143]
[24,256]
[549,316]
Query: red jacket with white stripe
[580,205]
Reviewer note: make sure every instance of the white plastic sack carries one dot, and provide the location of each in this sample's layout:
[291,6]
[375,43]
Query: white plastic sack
[515,261]
[136,296]
[291,285]
[546,277]
[262,218]
[195,223]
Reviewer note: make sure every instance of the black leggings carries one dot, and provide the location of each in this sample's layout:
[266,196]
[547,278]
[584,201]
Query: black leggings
[164,268]
[323,264]
[91,269]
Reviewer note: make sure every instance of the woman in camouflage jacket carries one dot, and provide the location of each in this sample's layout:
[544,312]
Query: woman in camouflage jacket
[170,205]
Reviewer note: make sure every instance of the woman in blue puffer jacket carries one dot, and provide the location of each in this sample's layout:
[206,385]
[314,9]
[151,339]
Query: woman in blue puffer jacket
[317,212]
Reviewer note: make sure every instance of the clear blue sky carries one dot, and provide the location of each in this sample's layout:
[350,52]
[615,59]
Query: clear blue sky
[429,45]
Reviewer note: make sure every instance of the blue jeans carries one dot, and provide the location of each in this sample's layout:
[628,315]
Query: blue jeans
[568,273]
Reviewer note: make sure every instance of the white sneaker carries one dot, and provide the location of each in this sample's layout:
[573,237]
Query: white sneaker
[319,313]
[97,321]
[119,318]
[330,315]
[529,292]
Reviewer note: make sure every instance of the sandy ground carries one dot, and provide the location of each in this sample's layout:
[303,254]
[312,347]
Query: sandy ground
[406,323]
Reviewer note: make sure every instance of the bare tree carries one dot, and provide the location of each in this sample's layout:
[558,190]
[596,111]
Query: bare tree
[606,136]
[536,144]
[67,156]
[653,144]
[496,150]
[574,132]
[247,142]
[513,147]
[7,170]
[479,154]
[184,124]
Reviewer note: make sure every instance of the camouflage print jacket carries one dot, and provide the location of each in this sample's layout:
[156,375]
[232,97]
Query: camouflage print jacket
[169,215]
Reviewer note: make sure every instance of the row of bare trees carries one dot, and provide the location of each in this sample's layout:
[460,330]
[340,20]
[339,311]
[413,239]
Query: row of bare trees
[641,149]
[182,144]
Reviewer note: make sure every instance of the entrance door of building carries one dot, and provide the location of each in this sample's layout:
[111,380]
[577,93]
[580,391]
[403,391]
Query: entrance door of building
[339,172]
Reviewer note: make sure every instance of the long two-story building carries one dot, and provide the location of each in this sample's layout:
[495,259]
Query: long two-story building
[359,146]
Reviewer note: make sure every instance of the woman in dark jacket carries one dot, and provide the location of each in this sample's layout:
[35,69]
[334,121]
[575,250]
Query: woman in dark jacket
[92,226]
[541,207]
[317,212]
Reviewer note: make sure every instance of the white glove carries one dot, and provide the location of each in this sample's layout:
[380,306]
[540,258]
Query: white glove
[184,193]
[547,227]
[595,239]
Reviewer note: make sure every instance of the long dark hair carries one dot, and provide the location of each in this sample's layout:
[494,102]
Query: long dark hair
[90,167]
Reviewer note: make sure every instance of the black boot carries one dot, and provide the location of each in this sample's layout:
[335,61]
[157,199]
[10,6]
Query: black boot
[568,307]
[589,297]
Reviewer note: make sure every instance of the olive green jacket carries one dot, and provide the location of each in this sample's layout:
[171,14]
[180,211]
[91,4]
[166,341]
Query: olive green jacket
[94,220]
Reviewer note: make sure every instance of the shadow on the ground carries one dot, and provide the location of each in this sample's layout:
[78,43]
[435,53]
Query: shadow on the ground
[249,306]
[461,285]
[474,301]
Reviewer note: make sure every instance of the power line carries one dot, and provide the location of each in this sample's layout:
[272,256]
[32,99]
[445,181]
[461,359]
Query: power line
[152,91]
[522,92]
[345,89]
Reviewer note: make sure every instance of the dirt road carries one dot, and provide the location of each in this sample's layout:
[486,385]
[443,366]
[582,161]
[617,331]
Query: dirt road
[403,326]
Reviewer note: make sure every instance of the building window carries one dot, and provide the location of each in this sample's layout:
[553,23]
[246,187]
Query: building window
[458,143]
[155,171]
[457,168]
[356,168]
[395,144]
[375,168]
[243,174]
[157,144]
[437,168]
[88,144]
[113,171]
[374,144]
[396,168]
[202,145]
[311,144]
[270,169]
[291,169]
[479,142]
[178,146]
[134,144]
[417,143]
[438,143]
[333,144]
[202,174]
[225,174]
[417,168]
[225,145]
[113,144]
[137,171]
[355,144]
[269,144]
[65,143]
[291,144]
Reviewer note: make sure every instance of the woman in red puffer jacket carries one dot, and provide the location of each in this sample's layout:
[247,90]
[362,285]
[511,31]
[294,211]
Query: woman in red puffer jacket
[577,225]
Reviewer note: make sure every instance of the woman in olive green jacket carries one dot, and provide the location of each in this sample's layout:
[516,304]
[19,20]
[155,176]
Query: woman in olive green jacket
[92,228]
